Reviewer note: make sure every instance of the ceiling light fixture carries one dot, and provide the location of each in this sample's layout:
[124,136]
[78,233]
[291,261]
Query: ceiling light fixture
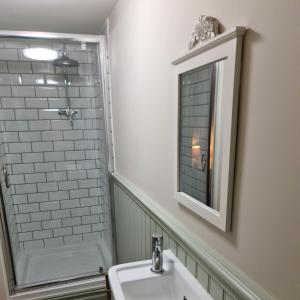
[40,53]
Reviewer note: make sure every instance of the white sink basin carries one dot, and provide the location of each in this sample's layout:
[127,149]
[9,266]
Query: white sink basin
[135,281]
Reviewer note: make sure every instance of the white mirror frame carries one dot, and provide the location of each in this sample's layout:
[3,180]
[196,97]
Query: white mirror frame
[226,46]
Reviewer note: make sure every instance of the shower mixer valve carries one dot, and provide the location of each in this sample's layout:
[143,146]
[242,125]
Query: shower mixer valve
[68,112]
[65,62]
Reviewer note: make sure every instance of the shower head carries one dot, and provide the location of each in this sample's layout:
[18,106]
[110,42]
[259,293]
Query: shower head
[65,61]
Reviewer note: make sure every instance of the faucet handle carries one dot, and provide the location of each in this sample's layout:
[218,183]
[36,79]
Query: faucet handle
[157,240]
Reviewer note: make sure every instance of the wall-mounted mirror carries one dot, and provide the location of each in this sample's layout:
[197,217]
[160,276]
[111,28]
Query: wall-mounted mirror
[199,92]
[207,80]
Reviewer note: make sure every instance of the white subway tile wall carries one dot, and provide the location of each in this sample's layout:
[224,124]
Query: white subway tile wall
[57,172]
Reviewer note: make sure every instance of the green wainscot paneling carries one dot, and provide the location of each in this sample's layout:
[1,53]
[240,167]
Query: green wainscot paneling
[97,294]
[134,225]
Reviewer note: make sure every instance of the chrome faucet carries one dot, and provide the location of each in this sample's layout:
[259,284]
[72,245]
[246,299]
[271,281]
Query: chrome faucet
[157,255]
[68,112]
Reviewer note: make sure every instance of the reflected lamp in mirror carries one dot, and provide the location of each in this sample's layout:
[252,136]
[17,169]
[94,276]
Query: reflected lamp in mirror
[207,81]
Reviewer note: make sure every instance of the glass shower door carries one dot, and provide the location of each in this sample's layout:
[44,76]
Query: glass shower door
[54,151]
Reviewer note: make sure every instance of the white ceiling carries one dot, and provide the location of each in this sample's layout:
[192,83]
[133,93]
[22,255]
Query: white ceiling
[70,16]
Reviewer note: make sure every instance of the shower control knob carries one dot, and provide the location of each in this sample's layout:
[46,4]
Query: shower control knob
[68,112]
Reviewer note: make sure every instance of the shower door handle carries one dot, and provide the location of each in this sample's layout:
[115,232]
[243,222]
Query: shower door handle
[5,174]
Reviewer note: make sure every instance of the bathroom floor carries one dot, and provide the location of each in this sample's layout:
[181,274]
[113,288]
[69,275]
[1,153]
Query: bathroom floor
[60,263]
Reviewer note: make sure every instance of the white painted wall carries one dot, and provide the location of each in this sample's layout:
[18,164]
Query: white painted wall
[146,35]
[72,16]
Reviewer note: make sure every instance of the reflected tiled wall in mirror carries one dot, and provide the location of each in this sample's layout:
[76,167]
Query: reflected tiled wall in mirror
[197,104]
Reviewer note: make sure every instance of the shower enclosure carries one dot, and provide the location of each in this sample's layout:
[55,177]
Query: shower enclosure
[55,208]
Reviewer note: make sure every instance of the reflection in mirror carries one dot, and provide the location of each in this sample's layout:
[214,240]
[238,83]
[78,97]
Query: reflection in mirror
[200,91]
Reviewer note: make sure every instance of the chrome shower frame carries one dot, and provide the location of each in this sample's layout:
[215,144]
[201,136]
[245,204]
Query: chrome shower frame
[6,259]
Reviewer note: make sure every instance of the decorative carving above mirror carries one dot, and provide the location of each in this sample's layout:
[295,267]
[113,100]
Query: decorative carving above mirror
[206,28]
[207,81]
